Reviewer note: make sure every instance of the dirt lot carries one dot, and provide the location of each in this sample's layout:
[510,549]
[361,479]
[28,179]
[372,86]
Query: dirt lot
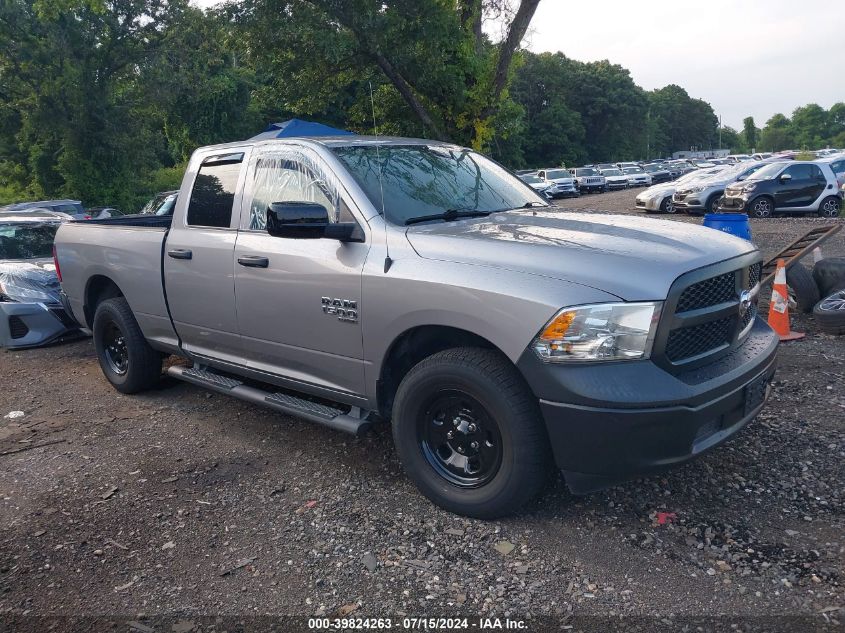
[186,503]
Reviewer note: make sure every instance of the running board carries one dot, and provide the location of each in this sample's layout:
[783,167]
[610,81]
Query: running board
[353,422]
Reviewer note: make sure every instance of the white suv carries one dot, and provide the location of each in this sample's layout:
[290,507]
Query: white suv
[560,182]
[588,179]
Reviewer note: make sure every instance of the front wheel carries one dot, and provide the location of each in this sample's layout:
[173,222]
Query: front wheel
[762,207]
[667,206]
[469,433]
[127,360]
[830,206]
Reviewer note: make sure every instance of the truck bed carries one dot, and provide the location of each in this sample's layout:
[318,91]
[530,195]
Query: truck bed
[126,251]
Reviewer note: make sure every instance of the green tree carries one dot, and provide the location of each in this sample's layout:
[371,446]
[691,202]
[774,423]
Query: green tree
[433,54]
[777,134]
[684,123]
[810,126]
[749,133]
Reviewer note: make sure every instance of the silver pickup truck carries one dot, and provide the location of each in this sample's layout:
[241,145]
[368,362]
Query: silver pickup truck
[352,280]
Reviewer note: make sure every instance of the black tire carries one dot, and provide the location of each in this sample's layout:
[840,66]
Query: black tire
[830,207]
[127,360]
[508,418]
[830,313]
[802,287]
[829,275]
[667,206]
[762,207]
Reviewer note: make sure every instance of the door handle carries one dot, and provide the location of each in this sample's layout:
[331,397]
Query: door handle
[254,261]
[180,253]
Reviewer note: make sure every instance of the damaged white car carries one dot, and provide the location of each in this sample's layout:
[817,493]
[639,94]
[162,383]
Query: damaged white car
[31,312]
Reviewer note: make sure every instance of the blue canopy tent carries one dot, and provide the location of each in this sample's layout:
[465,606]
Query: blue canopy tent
[297,127]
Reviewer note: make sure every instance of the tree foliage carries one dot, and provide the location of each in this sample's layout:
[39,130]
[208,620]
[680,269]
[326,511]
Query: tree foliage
[104,100]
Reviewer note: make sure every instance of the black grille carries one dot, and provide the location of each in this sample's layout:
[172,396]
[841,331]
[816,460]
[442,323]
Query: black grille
[698,339]
[17,328]
[754,274]
[708,293]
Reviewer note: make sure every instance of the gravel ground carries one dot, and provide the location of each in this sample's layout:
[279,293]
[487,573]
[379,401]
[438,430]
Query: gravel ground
[182,502]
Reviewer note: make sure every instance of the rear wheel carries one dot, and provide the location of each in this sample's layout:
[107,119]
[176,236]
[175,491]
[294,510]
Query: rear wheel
[469,433]
[127,360]
[713,203]
[830,206]
[761,207]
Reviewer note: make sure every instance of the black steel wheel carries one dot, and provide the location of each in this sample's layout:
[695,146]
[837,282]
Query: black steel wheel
[115,351]
[127,360]
[469,433]
[460,439]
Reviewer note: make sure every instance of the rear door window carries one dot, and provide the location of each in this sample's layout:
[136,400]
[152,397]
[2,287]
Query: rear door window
[213,194]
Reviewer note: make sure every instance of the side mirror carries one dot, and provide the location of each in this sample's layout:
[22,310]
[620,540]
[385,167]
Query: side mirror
[785,177]
[308,220]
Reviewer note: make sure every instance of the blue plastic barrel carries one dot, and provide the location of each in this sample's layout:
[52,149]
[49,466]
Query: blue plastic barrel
[733,223]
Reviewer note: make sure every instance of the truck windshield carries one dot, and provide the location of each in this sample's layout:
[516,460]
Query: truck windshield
[423,180]
[27,240]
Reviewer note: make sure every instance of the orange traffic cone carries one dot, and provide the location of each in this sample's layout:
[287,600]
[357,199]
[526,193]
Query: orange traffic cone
[779,307]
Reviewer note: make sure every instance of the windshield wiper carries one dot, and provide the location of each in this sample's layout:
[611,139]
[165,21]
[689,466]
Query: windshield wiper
[449,215]
[532,203]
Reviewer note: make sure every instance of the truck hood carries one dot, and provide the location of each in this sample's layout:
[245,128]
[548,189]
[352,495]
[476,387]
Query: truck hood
[632,258]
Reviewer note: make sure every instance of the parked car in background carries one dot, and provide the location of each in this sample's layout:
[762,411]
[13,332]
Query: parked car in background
[72,208]
[657,172]
[614,178]
[161,204]
[560,182]
[761,155]
[536,183]
[700,163]
[658,198]
[786,187]
[98,213]
[31,312]
[602,166]
[837,165]
[702,194]
[681,167]
[637,177]
[588,179]
[738,158]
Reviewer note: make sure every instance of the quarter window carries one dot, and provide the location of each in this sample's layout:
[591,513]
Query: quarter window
[213,194]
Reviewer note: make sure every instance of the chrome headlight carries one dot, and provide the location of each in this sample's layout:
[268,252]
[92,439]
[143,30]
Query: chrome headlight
[695,190]
[749,186]
[605,331]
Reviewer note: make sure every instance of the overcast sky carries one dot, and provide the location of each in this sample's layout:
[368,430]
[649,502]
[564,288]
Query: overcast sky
[744,57]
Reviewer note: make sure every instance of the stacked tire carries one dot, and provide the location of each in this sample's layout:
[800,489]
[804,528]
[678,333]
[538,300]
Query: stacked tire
[829,277]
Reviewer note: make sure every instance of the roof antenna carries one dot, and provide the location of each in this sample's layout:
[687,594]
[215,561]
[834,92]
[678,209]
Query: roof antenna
[387,261]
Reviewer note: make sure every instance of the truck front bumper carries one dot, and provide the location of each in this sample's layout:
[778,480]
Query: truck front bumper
[608,422]
[30,324]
